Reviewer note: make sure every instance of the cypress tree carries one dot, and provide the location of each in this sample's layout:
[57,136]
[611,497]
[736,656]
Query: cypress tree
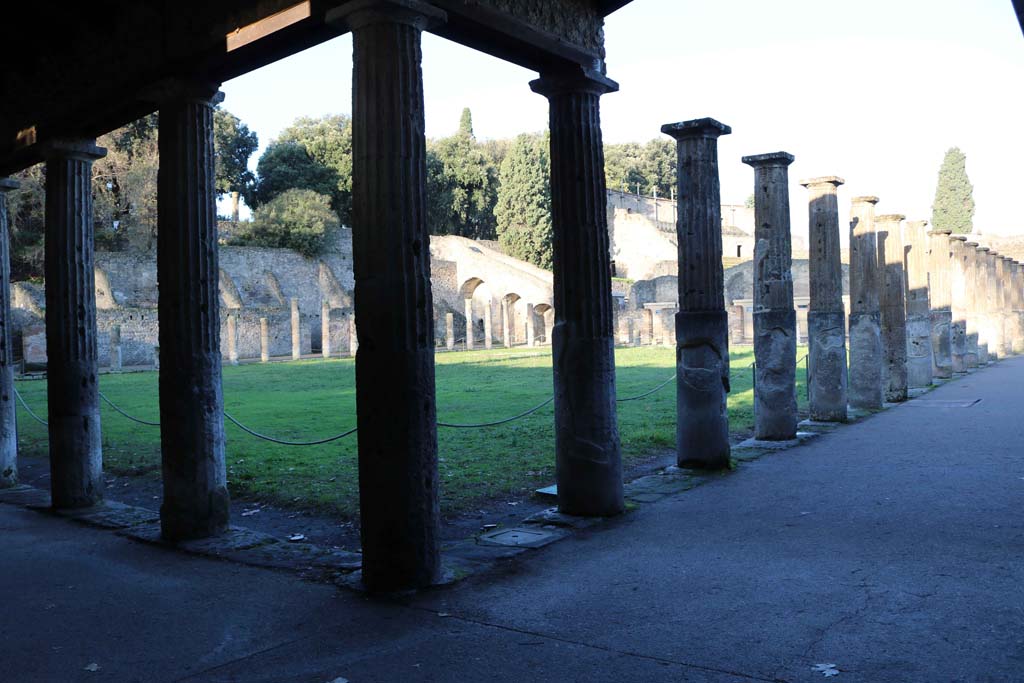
[524,201]
[953,208]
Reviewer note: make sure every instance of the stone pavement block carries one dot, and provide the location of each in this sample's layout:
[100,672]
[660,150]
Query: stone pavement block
[25,495]
[111,515]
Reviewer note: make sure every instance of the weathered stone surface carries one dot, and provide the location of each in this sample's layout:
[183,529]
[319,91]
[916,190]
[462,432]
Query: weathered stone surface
[893,308]
[587,450]
[115,348]
[264,340]
[76,451]
[1003,308]
[8,419]
[826,330]
[449,331]
[940,297]
[296,330]
[232,333]
[865,388]
[395,399]
[775,415]
[981,304]
[1017,305]
[972,353]
[325,329]
[195,503]
[702,324]
[918,308]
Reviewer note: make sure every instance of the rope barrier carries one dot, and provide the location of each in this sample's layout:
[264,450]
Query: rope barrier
[287,443]
[647,393]
[455,425]
[29,410]
[133,419]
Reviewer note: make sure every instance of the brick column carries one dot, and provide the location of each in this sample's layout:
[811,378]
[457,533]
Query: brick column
[398,487]
[826,328]
[865,307]
[918,311]
[893,305]
[8,419]
[587,451]
[191,400]
[775,333]
[702,325]
[940,299]
[76,451]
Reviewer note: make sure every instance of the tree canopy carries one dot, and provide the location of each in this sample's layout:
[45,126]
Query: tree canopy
[523,208]
[650,166]
[233,144]
[286,165]
[462,182]
[328,141]
[953,208]
[295,219]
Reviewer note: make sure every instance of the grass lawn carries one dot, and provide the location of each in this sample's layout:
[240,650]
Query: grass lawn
[307,400]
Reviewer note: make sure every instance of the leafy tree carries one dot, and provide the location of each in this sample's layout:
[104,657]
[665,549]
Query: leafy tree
[651,166]
[295,219]
[953,208]
[26,211]
[523,210]
[233,144]
[124,184]
[750,202]
[286,165]
[461,185]
[328,141]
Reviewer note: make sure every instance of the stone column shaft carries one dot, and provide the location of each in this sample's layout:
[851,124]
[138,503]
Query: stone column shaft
[76,452]
[775,334]
[865,379]
[1017,304]
[981,304]
[529,325]
[398,481]
[264,340]
[115,348]
[8,418]
[702,325]
[893,305]
[971,282]
[232,338]
[506,323]
[195,501]
[325,329]
[940,298]
[469,325]
[918,308]
[449,331]
[488,332]
[826,325]
[958,303]
[296,330]
[588,464]
[353,336]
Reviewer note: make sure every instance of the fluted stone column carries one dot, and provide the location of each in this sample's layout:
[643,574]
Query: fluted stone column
[702,325]
[325,329]
[971,285]
[941,271]
[1003,318]
[981,305]
[529,326]
[993,328]
[115,348]
[195,501]
[506,324]
[264,341]
[449,331]
[775,414]
[76,451]
[8,419]
[488,331]
[893,307]
[1017,304]
[918,308]
[469,325]
[826,328]
[865,388]
[587,450]
[232,338]
[296,330]
[958,301]
[398,481]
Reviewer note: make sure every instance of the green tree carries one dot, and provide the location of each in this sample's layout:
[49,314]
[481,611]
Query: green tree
[650,167]
[953,208]
[523,209]
[233,144]
[461,185]
[297,219]
[26,223]
[286,165]
[124,186]
[328,141]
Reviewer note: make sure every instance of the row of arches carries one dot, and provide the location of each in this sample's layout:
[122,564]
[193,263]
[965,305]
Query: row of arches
[507,317]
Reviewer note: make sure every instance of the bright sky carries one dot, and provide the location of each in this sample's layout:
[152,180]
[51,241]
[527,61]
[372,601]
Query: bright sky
[873,91]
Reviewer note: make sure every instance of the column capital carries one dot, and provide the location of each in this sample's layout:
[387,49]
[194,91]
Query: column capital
[696,128]
[916,224]
[866,199]
[74,148]
[576,79]
[359,13]
[769,159]
[890,218]
[8,184]
[942,231]
[984,249]
[969,244]
[834,181]
[176,89]
[958,238]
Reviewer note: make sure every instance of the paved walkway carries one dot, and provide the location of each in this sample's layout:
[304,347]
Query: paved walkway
[890,548]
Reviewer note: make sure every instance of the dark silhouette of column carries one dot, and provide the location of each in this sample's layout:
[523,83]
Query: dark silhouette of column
[919,323]
[8,419]
[865,388]
[893,305]
[826,329]
[588,459]
[76,451]
[702,325]
[775,415]
[196,501]
[398,487]
[940,298]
